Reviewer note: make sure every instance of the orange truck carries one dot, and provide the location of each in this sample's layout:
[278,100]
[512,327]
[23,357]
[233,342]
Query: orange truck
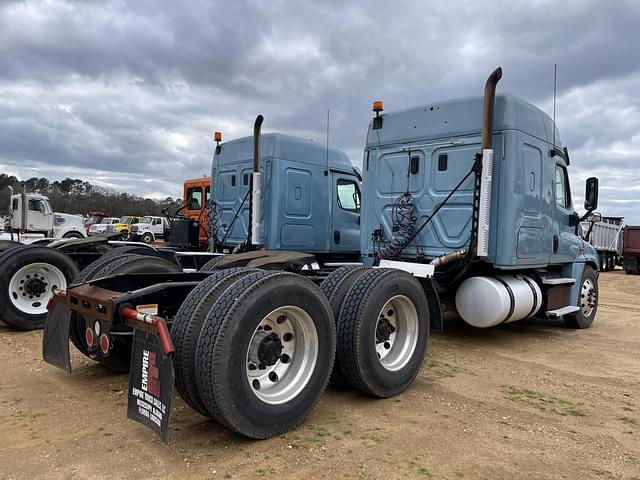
[196,194]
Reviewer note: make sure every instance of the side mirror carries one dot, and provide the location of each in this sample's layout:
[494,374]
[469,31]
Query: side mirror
[591,194]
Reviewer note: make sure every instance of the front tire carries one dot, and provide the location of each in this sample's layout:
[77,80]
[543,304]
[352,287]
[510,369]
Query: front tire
[587,301]
[72,235]
[147,238]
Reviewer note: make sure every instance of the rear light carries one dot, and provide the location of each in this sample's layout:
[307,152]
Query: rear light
[104,343]
[88,336]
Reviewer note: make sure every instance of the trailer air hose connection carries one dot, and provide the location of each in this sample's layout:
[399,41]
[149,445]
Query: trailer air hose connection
[404,221]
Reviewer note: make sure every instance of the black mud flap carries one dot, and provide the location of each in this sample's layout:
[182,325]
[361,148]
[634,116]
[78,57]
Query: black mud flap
[151,379]
[55,341]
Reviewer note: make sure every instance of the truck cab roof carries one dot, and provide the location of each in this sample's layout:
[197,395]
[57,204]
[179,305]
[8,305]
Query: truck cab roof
[461,117]
[286,147]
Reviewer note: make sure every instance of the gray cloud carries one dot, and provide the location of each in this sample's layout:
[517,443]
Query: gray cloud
[127,94]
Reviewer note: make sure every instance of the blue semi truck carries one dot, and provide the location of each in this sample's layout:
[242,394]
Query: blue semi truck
[462,205]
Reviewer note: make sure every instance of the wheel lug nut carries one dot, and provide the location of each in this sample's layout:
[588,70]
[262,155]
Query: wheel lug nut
[285,358]
[281,319]
[387,345]
[287,337]
[273,376]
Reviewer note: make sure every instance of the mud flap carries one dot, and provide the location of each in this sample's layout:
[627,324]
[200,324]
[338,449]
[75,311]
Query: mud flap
[55,340]
[151,378]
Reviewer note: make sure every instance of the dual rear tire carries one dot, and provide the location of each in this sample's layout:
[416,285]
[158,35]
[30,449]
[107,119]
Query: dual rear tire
[254,350]
[382,327]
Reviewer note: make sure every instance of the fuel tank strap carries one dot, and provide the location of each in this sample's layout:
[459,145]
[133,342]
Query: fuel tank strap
[511,296]
[535,296]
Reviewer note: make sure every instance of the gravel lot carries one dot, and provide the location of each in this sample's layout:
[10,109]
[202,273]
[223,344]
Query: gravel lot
[530,400]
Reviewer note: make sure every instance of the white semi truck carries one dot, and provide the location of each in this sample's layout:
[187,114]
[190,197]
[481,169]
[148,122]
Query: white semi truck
[32,218]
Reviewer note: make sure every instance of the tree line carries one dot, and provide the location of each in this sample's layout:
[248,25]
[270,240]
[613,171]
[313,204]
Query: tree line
[73,195]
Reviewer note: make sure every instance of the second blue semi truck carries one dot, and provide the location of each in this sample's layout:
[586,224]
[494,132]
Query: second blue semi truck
[462,205]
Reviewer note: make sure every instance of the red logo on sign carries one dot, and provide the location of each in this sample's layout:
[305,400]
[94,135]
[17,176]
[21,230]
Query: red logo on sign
[150,373]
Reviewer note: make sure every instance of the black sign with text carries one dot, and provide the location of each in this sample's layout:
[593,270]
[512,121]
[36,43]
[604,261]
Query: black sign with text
[151,379]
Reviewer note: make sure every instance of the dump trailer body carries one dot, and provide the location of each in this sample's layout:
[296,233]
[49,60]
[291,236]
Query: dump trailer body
[606,238]
[310,195]
[426,151]
[631,250]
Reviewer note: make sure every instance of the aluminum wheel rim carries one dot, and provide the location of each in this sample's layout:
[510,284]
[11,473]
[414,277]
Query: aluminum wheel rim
[588,297]
[31,287]
[283,380]
[396,334]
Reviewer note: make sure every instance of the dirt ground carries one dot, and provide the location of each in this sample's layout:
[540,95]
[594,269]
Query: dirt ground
[530,400]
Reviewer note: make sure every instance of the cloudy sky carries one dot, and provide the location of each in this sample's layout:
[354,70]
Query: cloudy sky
[127,94]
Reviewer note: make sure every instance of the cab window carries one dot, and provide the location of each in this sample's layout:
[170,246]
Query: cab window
[194,198]
[35,205]
[348,195]
[563,195]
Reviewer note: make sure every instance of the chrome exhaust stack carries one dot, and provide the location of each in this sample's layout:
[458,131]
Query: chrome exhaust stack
[256,188]
[484,207]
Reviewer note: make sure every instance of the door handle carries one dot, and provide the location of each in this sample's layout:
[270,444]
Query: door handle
[336,236]
[555,244]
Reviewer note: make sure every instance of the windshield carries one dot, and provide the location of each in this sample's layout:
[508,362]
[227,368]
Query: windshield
[126,220]
[93,219]
[147,220]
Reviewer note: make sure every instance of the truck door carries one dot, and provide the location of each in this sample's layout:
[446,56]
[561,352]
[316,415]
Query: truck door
[565,243]
[39,215]
[157,226]
[345,221]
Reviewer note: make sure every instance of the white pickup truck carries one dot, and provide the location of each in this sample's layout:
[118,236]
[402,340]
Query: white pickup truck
[32,218]
[103,226]
[150,229]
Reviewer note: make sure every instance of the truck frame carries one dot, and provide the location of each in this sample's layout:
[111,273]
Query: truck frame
[252,340]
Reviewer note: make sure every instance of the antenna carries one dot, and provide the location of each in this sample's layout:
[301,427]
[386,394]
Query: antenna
[555,72]
[327,171]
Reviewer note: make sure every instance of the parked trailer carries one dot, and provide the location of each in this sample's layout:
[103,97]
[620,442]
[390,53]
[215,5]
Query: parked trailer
[446,217]
[631,250]
[605,234]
